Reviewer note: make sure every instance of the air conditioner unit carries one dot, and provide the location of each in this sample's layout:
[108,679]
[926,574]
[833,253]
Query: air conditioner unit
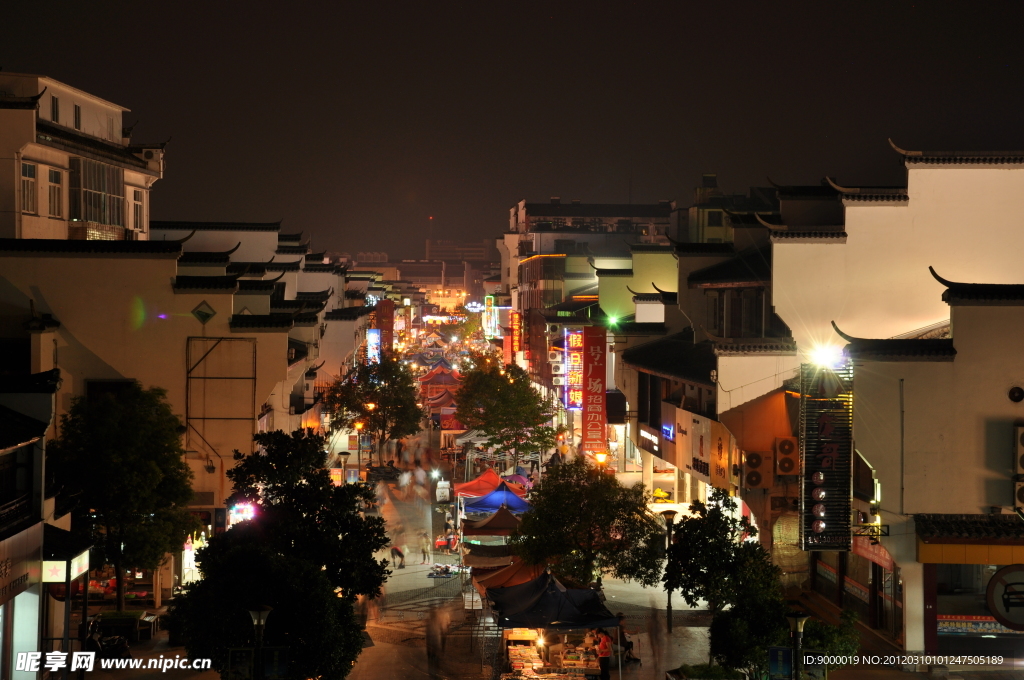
[558,381]
[558,369]
[787,456]
[556,357]
[1018,457]
[757,471]
[554,328]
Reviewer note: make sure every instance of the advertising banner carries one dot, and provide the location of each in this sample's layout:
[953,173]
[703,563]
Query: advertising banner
[574,370]
[595,418]
[516,321]
[386,324]
[826,450]
[700,447]
[721,456]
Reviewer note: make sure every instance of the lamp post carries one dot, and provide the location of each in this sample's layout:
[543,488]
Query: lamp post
[359,446]
[259,621]
[669,516]
[344,465]
[796,630]
[602,460]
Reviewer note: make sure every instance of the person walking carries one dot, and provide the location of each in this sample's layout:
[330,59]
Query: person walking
[604,653]
[425,547]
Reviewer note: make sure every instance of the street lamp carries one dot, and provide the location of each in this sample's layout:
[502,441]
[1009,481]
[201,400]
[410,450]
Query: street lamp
[669,516]
[602,459]
[796,630]
[344,465]
[259,621]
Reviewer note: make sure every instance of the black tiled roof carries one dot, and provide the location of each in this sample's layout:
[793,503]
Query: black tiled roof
[290,238]
[314,296]
[980,294]
[626,328]
[317,258]
[307,318]
[877,197]
[537,210]
[731,347]
[26,103]
[201,257]
[255,286]
[261,322]
[651,248]
[283,249]
[214,283]
[79,144]
[613,272]
[674,356]
[214,226]
[288,305]
[718,249]
[169,249]
[17,429]
[753,265]
[933,349]
[247,268]
[46,382]
[836,235]
[935,528]
[322,267]
[283,266]
[347,314]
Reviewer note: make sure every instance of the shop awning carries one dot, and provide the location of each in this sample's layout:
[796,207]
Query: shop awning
[501,497]
[63,550]
[501,523]
[480,562]
[472,437]
[546,603]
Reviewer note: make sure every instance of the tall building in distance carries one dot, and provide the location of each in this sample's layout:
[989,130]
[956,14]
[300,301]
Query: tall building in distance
[68,166]
[483,250]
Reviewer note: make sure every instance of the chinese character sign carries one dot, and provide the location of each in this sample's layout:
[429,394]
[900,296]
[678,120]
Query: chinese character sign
[507,356]
[826,443]
[595,420]
[373,346]
[386,323]
[574,370]
[516,320]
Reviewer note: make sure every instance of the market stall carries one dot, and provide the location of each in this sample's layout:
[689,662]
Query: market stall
[502,496]
[487,482]
[501,523]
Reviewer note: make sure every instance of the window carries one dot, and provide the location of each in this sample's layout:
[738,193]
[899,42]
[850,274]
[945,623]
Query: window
[78,117]
[138,221]
[96,191]
[714,218]
[54,109]
[28,187]
[56,193]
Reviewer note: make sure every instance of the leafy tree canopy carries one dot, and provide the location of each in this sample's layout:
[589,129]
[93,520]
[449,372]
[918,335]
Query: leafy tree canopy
[706,556]
[380,395]
[119,467]
[301,513]
[501,402]
[585,524]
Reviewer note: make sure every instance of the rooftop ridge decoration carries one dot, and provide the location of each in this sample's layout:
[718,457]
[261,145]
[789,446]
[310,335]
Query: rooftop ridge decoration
[1014,157]
[8,101]
[980,294]
[772,227]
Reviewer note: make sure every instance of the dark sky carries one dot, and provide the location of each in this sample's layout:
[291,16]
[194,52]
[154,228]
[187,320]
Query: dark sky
[359,120]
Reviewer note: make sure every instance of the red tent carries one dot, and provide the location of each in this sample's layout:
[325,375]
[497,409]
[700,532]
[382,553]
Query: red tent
[519,572]
[501,523]
[484,484]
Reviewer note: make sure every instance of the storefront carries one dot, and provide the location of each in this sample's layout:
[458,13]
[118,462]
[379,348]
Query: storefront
[20,591]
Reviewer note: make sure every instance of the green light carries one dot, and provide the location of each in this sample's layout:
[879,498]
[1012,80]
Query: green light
[612,320]
[138,313]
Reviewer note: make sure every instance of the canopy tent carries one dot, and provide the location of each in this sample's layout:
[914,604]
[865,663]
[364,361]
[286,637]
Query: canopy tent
[487,482]
[546,603]
[501,523]
[513,575]
[518,479]
[441,399]
[472,437]
[482,562]
[501,497]
[486,550]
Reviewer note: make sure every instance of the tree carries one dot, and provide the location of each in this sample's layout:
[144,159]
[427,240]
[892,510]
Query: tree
[585,524]
[119,467]
[501,402]
[381,396]
[705,556]
[308,553]
[469,325]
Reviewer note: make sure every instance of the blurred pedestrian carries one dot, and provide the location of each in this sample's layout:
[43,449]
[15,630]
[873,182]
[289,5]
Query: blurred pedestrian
[425,547]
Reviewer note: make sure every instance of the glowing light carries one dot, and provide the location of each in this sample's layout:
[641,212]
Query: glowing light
[241,513]
[161,316]
[826,356]
[435,474]
[601,457]
[138,313]
[612,320]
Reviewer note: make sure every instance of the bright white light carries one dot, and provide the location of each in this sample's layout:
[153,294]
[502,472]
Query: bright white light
[435,474]
[826,356]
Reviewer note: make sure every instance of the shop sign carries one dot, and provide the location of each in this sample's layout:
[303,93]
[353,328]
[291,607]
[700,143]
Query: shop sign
[386,323]
[516,321]
[353,442]
[574,370]
[826,441]
[506,350]
[55,571]
[20,562]
[700,448]
[449,422]
[337,476]
[963,624]
[595,418]
[373,346]
[721,456]
[876,553]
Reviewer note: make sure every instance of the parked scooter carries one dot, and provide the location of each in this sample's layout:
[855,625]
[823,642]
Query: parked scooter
[110,647]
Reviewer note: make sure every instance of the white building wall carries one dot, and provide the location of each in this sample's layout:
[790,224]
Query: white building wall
[257,246]
[743,378]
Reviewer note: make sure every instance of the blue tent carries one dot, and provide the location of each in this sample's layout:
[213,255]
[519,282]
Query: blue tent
[497,498]
[546,603]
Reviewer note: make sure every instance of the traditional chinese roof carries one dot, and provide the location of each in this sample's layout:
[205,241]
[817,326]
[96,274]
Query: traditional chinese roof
[980,294]
[314,296]
[322,267]
[53,246]
[746,346]
[213,284]
[214,226]
[202,257]
[261,322]
[976,529]
[613,272]
[935,349]
[872,194]
[290,238]
[248,268]
[27,103]
[255,286]
[675,356]
[17,429]
[704,249]
[662,296]
[752,266]
[347,313]
[837,236]
[283,266]
[286,249]
[317,258]
[959,157]
[62,138]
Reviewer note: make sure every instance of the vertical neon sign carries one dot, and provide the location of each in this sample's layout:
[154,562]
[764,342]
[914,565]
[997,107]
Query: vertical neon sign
[574,370]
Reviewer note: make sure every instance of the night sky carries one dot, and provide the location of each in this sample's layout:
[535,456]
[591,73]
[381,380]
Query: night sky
[359,121]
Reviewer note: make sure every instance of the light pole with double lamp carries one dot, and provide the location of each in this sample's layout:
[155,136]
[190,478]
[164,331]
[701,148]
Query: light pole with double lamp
[669,516]
[259,622]
[796,629]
